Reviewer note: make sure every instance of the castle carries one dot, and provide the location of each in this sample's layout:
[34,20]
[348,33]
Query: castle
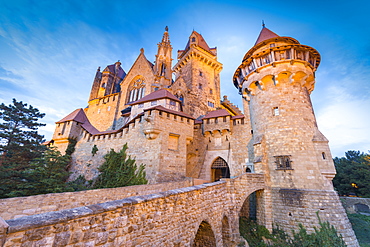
[182,128]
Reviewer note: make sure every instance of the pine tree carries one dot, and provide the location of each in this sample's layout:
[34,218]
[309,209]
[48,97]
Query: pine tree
[19,143]
[120,170]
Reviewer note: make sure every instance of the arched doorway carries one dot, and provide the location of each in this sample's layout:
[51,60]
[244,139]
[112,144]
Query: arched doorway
[220,169]
[205,236]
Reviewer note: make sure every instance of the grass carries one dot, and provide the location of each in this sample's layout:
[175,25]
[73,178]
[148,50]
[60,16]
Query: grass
[361,226]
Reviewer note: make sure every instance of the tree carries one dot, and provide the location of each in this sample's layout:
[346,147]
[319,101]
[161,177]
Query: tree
[47,174]
[19,143]
[19,139]
[120,170]
[353,174]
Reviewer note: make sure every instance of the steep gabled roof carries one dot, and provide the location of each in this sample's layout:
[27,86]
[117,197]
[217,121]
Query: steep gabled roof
[79,116]
[112,68]
[199,42]
[265,34]
[217,113]
[159,94]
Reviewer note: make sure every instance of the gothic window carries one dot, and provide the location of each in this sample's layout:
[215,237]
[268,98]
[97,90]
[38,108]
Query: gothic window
[136,90]
[283,162]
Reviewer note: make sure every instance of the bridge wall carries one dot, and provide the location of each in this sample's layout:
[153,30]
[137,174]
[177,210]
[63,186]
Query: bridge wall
[17,207]
[170,218]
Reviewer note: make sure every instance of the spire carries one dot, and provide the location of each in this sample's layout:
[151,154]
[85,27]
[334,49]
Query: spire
[265,34]
[166,37]
[163,61]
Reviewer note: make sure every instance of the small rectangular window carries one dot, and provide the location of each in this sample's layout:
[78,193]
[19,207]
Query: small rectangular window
[276,111]
[154,102]
[141,105]
[224,119]
[283,162]
[172,102]
[200,86]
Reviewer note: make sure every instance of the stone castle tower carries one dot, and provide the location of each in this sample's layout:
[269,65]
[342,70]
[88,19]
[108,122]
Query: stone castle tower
[275,79]
[180,128]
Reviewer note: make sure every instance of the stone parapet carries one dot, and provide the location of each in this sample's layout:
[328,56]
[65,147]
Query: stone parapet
[17,207]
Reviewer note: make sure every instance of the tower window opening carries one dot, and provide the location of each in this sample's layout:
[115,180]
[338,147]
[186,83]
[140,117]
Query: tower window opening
[211,104]
[323,155]
[154,102]
[210,91]
[200,86]
[216,120]
[193,39]
[283,162]
[172,102]
[224,118]
[276,111]
[200,73]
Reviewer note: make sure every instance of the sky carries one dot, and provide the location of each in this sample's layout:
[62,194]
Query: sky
[50,50]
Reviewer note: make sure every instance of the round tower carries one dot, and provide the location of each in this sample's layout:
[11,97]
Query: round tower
[276,78]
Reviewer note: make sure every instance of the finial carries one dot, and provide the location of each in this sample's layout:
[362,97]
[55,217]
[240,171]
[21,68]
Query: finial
[263,23]
[166,28]
[142,50]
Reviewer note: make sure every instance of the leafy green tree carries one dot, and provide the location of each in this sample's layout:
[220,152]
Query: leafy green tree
[20,143]
[353,174]
[120,170]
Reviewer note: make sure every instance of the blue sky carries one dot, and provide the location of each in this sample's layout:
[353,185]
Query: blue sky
[50,50]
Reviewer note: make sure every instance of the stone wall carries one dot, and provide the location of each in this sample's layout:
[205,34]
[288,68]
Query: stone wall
[170,218]
[17,207]
[355,205]
[293,206]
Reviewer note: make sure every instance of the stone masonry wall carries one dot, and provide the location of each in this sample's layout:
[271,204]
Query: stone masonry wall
[17,207]
[292,206]
[170,218]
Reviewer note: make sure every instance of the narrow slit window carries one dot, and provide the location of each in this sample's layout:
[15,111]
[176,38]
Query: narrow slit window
[276,111]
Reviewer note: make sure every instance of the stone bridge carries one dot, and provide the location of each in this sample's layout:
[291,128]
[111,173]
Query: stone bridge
[201,215]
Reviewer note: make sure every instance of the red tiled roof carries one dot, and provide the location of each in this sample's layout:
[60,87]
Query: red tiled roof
[265,34]
[79,116]
[238,117]
[217,113]
[161,108]
[200,42]
[159,94]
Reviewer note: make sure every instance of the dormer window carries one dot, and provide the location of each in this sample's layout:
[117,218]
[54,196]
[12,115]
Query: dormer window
[193,39]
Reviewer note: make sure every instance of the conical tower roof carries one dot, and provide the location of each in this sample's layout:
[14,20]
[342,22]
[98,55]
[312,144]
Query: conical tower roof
[265,34]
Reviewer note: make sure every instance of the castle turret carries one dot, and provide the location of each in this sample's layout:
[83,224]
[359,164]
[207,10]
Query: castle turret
[198,76]
[96,85]
[276,78]
[163,61]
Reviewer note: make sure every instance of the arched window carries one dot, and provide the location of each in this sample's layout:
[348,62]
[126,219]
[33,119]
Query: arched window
[136,90]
